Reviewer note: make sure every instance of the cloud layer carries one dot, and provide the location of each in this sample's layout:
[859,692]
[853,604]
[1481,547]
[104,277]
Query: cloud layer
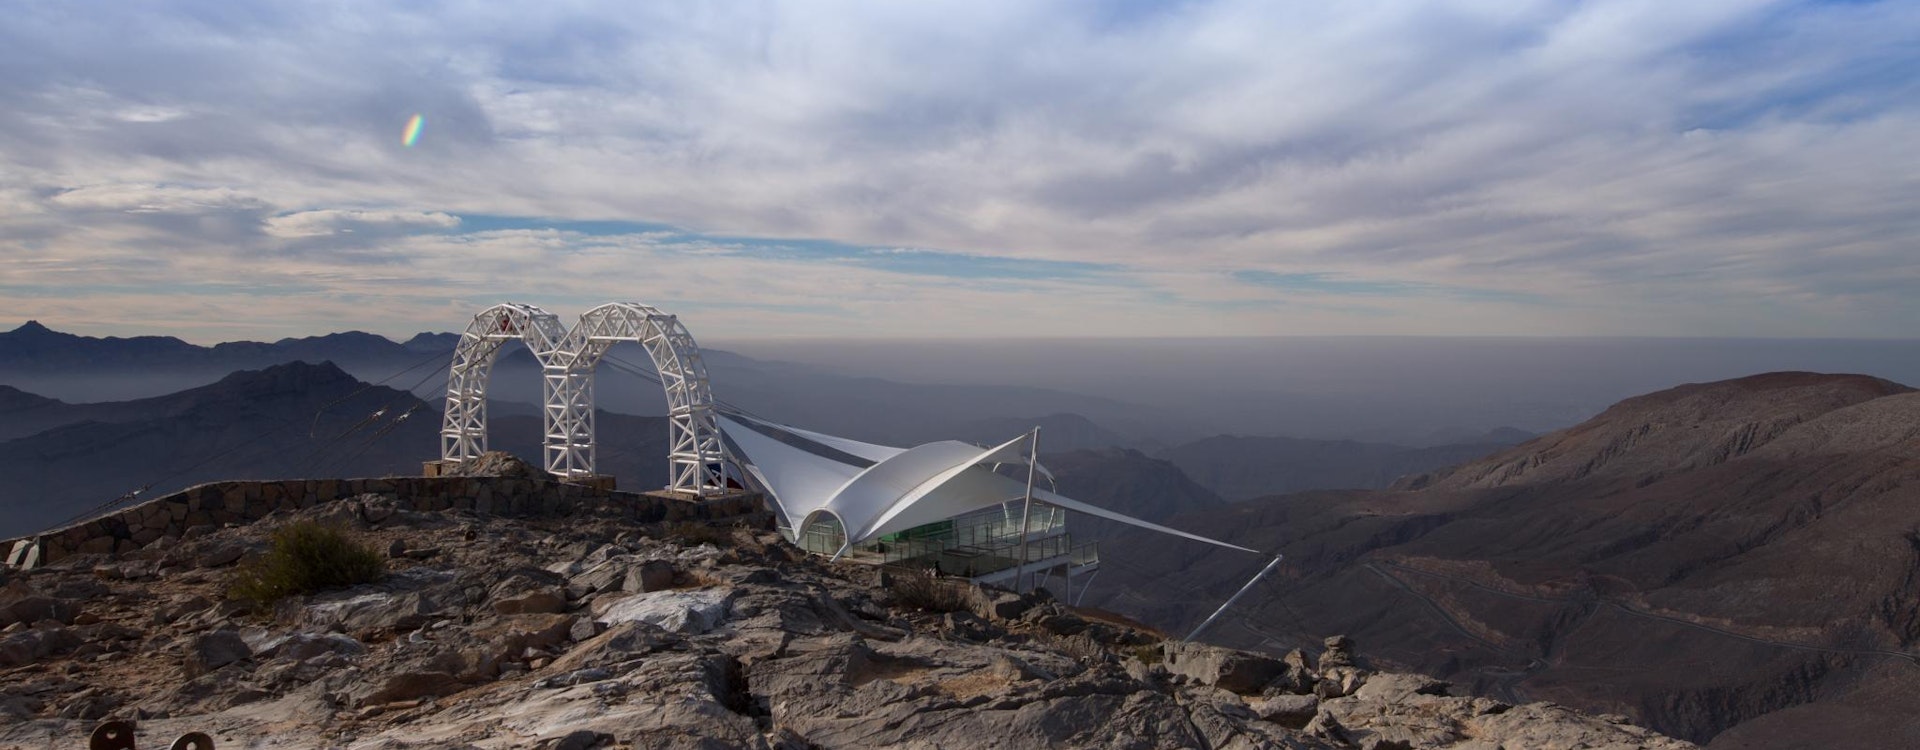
[964,168]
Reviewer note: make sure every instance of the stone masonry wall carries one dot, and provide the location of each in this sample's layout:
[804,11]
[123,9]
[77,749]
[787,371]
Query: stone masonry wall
[220,503]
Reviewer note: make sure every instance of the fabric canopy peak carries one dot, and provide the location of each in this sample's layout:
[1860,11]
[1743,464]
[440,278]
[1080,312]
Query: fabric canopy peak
[902,488]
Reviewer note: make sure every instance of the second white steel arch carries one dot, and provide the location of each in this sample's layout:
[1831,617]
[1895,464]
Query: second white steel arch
[697,457]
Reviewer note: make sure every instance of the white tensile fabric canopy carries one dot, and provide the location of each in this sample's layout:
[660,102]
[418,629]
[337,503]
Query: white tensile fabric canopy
[900,488]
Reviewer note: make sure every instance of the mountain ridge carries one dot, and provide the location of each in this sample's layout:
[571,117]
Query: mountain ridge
[1243,467]
[249,424]
[33,345]
[1688,426]
[1700,558]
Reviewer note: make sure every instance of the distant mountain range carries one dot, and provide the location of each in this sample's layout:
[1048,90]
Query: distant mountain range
[74,368]
[285,421]
[1127,481]
[35,348]
[1242,468]
[117,380]
[1732,562]
[302,420]
[318,420]
[91,369]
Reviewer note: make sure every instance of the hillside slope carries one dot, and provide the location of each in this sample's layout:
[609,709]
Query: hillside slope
[578,627]
[284,421]
[1732,561]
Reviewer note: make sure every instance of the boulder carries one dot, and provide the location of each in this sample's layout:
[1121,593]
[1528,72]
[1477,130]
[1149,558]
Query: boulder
[378,612]
[376,509]
[1393,688]
[649,576]
[968,626]
[1339,682]
[33,644]
[1298,677]
[606,576]
[584,628]
[689,611]
[1291,711]
[214,650]
[513,638]
[523,595]
[402,687]
[1003,606]
[220,555]
[1227,669]
[304,646]
[177,607]
[495,464]
[31,609]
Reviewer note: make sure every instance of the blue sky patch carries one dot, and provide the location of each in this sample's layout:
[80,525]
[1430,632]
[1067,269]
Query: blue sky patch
[915,261]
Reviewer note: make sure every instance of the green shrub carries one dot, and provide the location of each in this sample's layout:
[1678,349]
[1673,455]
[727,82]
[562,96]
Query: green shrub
[306,557]
[1149,654]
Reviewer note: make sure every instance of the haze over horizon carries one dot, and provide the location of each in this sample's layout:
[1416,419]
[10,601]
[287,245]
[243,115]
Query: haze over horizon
[1712,169]
[1407,390]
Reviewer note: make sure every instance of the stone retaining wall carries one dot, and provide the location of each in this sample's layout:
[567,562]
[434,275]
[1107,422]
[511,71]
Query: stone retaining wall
[220,503]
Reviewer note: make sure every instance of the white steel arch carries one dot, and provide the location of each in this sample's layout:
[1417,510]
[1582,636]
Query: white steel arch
[697,456]
[463,432]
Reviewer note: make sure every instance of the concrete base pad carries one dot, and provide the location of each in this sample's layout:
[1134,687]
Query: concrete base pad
[688,497]
[601,482]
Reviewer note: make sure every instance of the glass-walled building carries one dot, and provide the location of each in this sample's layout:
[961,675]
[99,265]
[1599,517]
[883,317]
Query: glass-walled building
[948,507]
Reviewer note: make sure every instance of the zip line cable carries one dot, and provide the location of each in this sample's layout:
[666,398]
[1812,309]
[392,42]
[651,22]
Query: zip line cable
[134,494]
[314,458]
[375,438]
[383,381]
[651,377]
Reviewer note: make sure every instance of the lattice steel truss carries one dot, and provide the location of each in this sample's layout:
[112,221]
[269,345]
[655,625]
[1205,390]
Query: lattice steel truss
[697,457]
[463,433]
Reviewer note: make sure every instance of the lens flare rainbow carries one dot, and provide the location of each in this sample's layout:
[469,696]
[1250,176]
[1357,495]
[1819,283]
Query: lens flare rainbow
[412,134]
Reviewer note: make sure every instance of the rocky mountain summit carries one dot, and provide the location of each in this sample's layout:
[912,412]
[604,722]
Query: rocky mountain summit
[1732,563]
[493,630]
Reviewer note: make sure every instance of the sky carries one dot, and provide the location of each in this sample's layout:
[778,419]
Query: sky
[219,170]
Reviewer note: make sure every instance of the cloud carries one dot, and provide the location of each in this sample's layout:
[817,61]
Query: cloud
[1617,166]
[328,222]
[152,199]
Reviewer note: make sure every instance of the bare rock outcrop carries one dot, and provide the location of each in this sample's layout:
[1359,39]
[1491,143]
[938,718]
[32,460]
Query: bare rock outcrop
[597,632]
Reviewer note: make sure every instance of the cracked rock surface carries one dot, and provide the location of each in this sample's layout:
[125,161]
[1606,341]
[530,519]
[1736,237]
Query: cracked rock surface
[593,632]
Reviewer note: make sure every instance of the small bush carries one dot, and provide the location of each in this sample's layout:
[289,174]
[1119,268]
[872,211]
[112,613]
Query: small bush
[915,590]
[1149,654]
[306,557]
